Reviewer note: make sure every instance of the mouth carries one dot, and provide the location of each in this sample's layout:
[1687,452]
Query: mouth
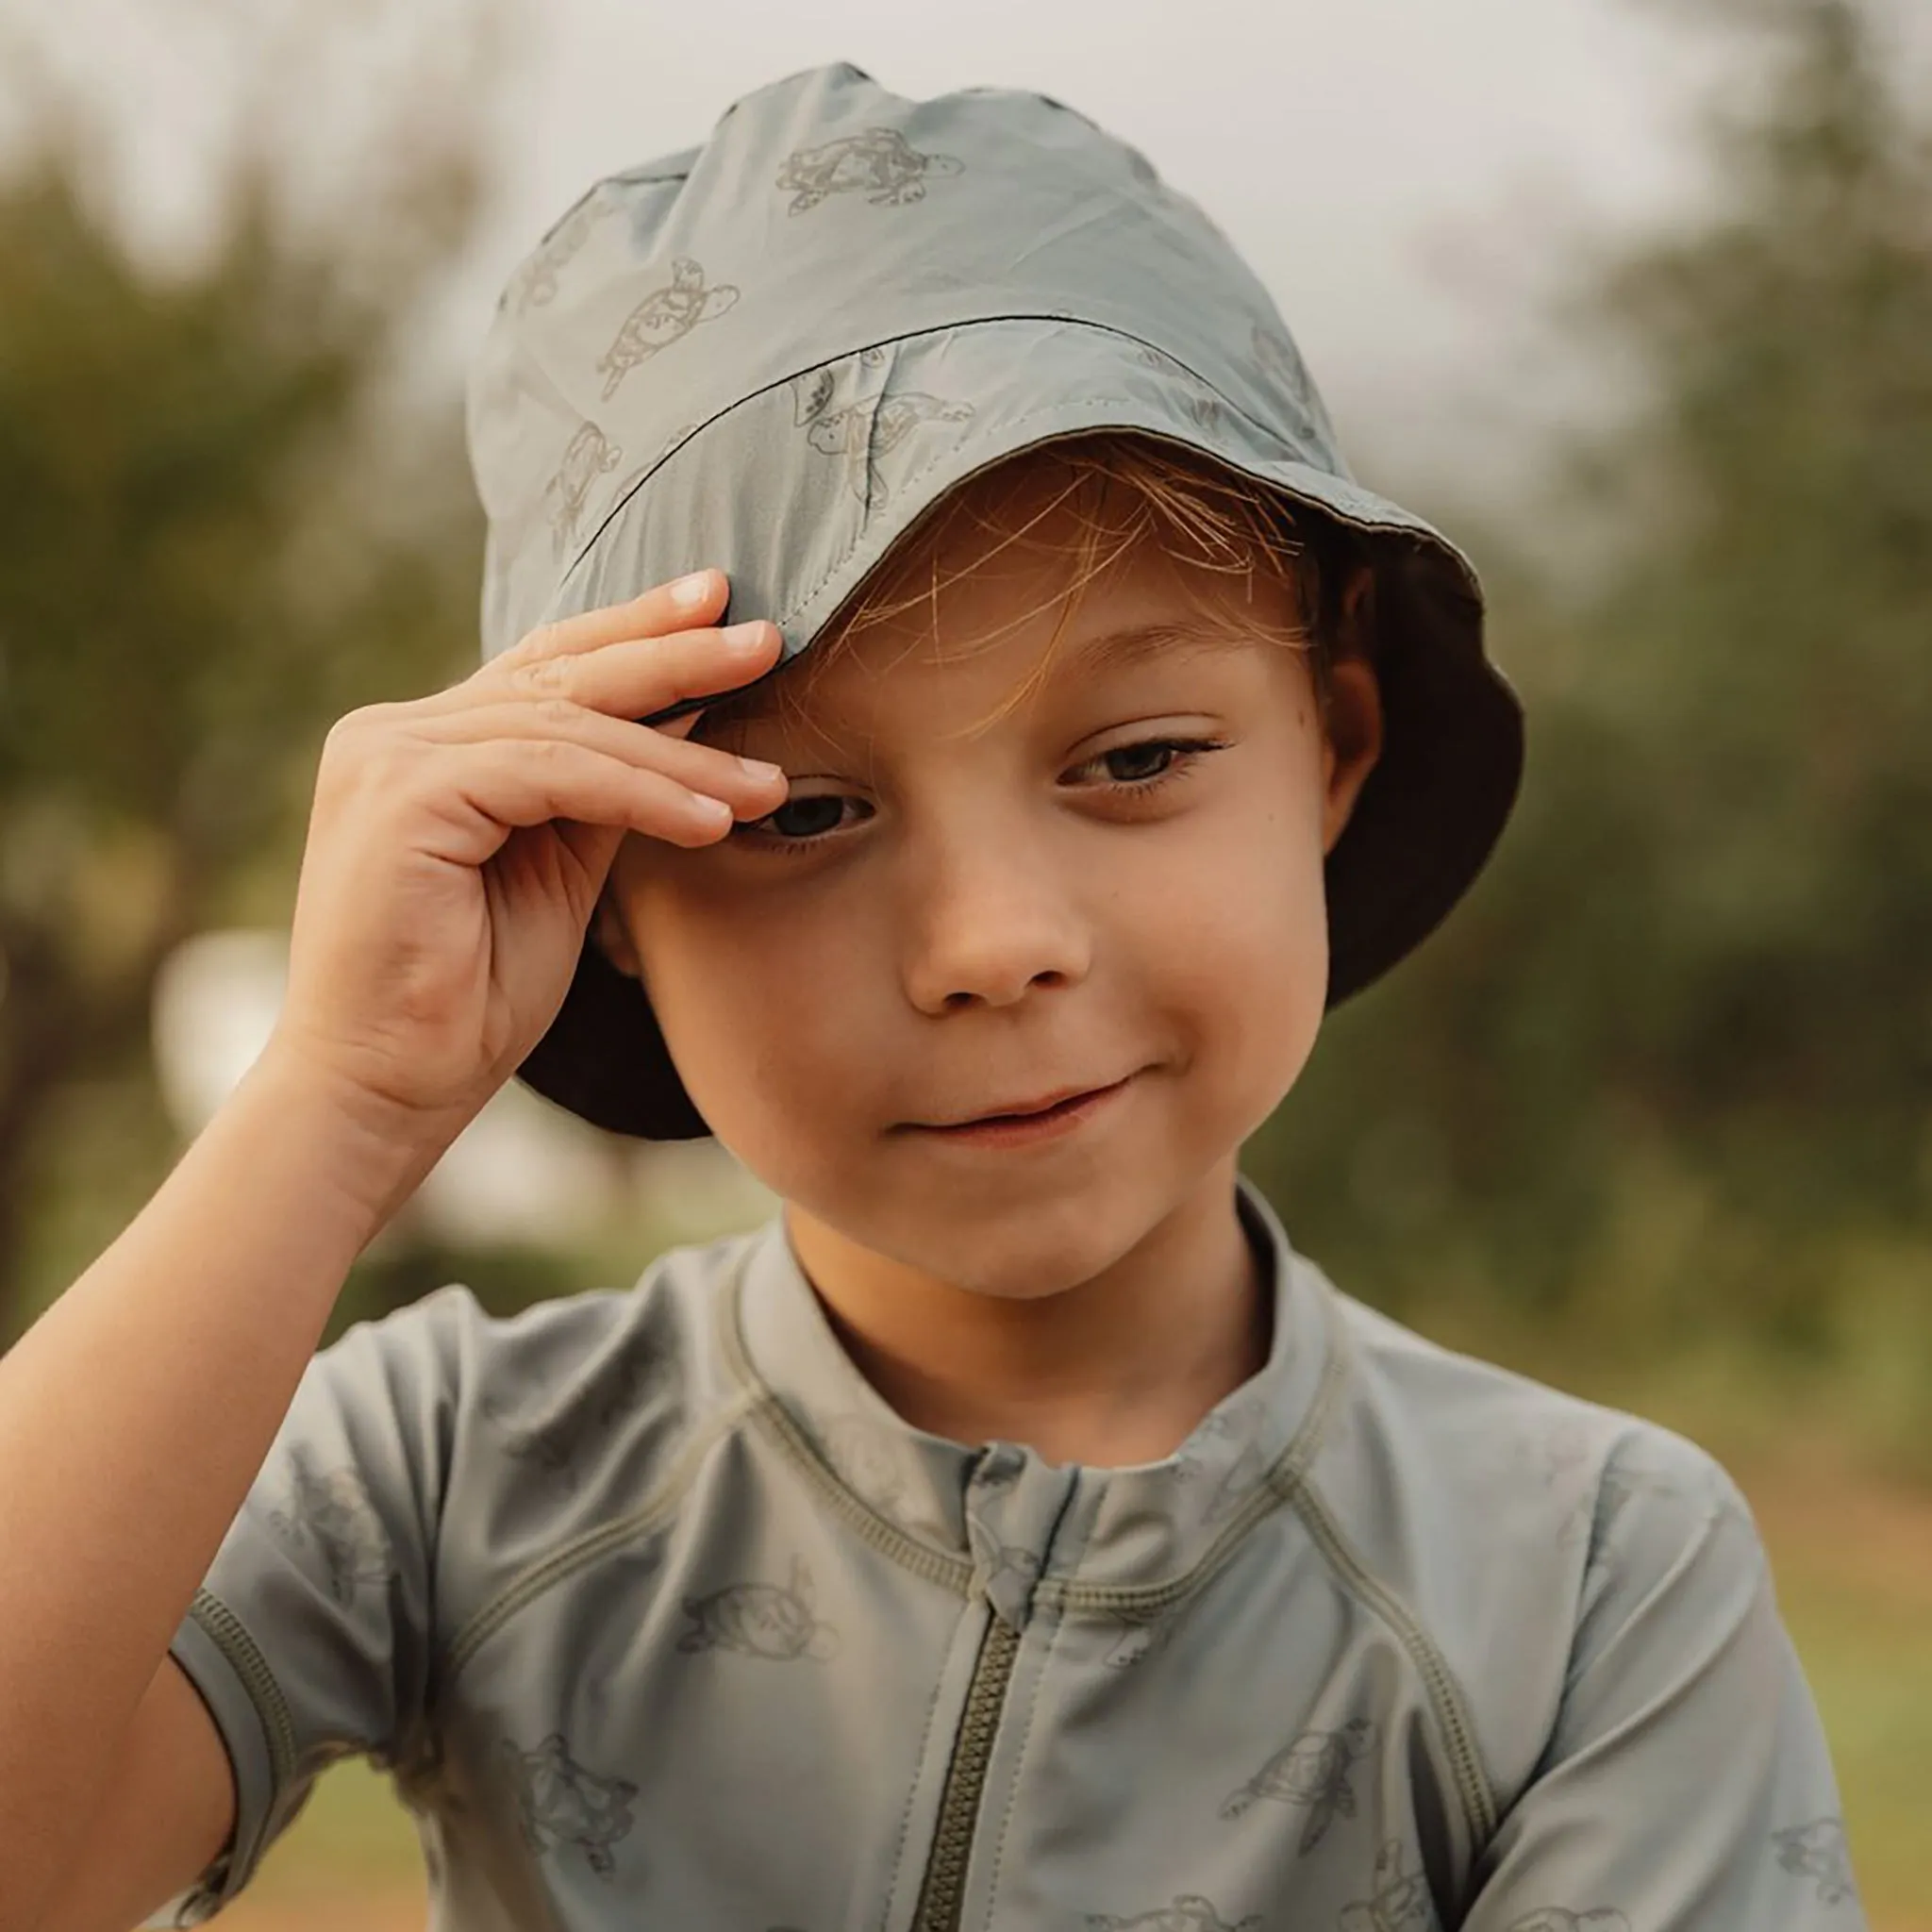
[1021,1110]
[1046,1113]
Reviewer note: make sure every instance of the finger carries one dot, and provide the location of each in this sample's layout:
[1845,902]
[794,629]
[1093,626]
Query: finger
[511,785]
[676,605]
[750,784]
[632,677]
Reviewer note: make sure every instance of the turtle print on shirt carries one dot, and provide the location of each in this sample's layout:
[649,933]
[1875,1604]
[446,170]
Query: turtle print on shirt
[1312,1769]
[1190,1912]
[334,1515]
[1555,1919]
[563,1440]
[761,1620]
[1399,1901]
[1818,1851]
[559,1803]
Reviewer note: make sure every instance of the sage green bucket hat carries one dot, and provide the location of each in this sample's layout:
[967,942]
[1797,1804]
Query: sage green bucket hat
[771,352]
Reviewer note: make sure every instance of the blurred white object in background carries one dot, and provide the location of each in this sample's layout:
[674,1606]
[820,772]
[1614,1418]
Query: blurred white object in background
[523,1171]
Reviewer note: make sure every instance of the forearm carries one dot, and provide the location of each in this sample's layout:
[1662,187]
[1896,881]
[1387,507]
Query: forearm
[135,1414]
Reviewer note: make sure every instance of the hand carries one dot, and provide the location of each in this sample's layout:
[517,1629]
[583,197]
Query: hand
[457,844]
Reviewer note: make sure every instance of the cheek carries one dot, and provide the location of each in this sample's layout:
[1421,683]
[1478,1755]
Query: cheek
[1240,941]
[745,1009]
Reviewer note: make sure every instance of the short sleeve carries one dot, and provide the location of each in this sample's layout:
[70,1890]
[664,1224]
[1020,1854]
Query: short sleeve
[1687,1783]
[309,1638]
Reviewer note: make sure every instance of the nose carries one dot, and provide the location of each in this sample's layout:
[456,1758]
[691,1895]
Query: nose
[988,917]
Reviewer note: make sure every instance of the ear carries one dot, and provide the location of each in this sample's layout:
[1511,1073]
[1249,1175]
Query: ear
[614,937]
[1352,740]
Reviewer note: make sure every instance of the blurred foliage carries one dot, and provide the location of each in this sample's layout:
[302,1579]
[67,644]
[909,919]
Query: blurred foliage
[1664,1082]
[225,522]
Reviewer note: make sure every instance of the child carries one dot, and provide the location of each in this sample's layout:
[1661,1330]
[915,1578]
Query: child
[1016,1531]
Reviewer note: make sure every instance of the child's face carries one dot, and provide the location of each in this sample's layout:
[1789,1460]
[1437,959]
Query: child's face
[948,921]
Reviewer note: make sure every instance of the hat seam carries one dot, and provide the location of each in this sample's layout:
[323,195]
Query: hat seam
[1406,520]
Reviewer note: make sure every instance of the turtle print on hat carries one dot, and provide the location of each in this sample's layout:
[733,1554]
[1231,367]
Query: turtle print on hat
[1290,374]
[1312,1771]
[1190,1912]
[334,1513]
[1818,1851]
[562,1803]
[1399,1902]
[536,284]
[866,430]
[761,1620]
[665,316]
[1555,1919]
[590,455]
[878,163]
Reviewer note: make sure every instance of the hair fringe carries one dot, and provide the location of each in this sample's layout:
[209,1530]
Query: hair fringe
[1126,488]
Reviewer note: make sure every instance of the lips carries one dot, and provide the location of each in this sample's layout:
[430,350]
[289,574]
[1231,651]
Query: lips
[1021,1108]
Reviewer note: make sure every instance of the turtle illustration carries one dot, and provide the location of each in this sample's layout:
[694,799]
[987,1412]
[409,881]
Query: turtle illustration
[1399,1902]
[760,1619]
[1136,1639]
[878,162]
[1555,1919]
[334,1513]
[590,454]
[1312,1769]
[1290,374]
[562,1803]
[1190,1912]
[559,1441]
[536,282]
[1818,1851]
[863,432]
[663,317]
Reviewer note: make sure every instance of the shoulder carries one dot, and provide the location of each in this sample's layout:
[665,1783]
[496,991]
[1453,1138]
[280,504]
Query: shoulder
[1519,1526]
[1510,1459]
[532,1405]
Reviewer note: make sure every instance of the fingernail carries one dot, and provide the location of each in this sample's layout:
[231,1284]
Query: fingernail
[757,768]
[741,637]
[686,592]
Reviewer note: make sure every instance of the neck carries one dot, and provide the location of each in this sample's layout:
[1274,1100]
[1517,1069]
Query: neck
[1113,1370]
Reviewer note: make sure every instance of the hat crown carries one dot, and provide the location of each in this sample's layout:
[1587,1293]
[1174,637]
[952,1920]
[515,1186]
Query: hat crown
[823,217]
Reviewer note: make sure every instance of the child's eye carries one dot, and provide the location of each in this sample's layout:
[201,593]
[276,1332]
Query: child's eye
[802,823]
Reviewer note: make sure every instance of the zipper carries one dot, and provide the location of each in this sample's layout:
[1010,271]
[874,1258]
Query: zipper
[943,1892]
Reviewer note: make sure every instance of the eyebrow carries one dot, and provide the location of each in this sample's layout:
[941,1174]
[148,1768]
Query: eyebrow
[1135,644]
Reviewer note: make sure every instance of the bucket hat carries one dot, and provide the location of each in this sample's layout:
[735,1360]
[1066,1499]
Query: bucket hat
[771,352]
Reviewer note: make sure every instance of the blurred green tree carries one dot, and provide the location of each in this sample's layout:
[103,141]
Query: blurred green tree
[227,514]
[1672,1062]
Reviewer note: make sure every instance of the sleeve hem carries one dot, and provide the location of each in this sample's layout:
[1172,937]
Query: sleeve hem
[251,1716]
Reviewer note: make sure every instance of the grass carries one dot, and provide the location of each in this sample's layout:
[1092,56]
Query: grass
[1853,1559]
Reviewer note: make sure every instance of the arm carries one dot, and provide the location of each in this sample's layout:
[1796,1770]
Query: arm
[456,845]
[167,1339]
[1686,1786]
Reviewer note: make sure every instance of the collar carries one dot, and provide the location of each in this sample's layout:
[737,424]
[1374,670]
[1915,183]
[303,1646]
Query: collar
[1019,1522]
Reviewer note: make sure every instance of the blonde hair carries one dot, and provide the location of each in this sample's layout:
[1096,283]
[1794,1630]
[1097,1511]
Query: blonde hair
[1126,488]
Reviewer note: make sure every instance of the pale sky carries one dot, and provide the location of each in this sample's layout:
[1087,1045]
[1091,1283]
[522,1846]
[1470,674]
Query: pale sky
[1411,179]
